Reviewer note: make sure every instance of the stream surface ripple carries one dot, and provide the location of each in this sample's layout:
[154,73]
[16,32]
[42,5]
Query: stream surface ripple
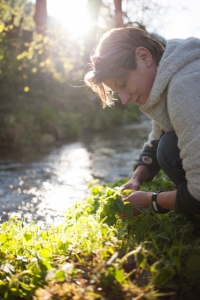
[41,186]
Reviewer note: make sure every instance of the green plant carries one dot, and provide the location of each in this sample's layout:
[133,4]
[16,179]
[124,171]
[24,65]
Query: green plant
[89,257]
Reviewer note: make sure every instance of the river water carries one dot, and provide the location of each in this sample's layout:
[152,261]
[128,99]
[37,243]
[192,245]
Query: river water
[41,186]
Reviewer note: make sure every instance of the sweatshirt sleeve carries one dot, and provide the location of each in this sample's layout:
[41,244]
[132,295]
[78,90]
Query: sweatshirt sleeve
[184,112]
[148,157]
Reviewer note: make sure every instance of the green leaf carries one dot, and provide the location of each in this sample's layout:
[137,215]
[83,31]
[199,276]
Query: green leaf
[109,208]
[127,192]
[109,192]
[128,209]
[119,275]
[4,237]
[28,236]
[25,286]
[60,275]
[120,204]
[3,226]
[140,258]
[110,220]
[45,253]
[95,190]
[104,229]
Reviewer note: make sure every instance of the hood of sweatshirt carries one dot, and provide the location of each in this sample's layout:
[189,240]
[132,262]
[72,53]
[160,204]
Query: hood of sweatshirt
[178,53]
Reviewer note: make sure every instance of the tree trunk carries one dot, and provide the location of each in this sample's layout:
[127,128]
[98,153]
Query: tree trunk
[40,16]
[118,13]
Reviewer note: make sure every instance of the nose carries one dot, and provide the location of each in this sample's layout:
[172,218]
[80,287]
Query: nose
[125,97]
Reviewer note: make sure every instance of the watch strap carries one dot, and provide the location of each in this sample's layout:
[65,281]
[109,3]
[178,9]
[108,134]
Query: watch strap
[156,207]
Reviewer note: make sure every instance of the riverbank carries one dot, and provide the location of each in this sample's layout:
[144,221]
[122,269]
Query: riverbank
[85,257]
[63,116]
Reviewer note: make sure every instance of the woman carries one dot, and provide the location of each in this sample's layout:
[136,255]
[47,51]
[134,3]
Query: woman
[166,83]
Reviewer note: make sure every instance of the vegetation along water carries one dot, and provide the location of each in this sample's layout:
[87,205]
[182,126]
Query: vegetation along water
[97,254]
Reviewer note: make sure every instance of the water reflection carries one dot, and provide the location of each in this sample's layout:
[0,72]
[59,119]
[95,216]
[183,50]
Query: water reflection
[44,187]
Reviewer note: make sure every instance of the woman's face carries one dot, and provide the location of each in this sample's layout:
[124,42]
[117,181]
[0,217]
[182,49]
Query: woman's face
[136,85]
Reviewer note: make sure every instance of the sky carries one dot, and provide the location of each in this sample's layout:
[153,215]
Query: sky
[183,20]
[178,23]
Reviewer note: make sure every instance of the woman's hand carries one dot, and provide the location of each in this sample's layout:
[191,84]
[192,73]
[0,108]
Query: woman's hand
[139,199]
[165,200]
[140,175]
[132,184]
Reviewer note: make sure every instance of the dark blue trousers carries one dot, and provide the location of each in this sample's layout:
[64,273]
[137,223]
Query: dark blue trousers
[168,155]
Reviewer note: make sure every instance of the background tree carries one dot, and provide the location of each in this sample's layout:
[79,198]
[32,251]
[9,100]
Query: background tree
[40,63]
[118,13]
[145,14]
[40,16]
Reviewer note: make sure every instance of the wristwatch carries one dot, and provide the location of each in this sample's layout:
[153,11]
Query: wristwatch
[155,206]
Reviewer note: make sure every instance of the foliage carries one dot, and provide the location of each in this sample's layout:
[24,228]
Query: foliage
[41,98]
[85,257]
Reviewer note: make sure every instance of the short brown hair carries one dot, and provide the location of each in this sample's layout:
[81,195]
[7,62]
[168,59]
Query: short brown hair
[114,56]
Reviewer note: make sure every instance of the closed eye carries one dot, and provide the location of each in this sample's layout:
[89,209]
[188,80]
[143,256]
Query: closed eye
[122,86]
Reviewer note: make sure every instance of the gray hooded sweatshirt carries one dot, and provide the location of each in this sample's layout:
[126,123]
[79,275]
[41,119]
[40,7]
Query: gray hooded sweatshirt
[174,104]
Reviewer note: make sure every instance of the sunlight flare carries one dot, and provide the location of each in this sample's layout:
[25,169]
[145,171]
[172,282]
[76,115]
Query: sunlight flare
[72,15]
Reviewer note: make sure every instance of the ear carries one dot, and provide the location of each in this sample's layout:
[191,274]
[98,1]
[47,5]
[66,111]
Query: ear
[144,55]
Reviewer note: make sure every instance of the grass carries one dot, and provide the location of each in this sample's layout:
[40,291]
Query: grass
[96,254]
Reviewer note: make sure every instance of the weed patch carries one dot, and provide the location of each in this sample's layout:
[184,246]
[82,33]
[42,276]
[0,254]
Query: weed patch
[97,254]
